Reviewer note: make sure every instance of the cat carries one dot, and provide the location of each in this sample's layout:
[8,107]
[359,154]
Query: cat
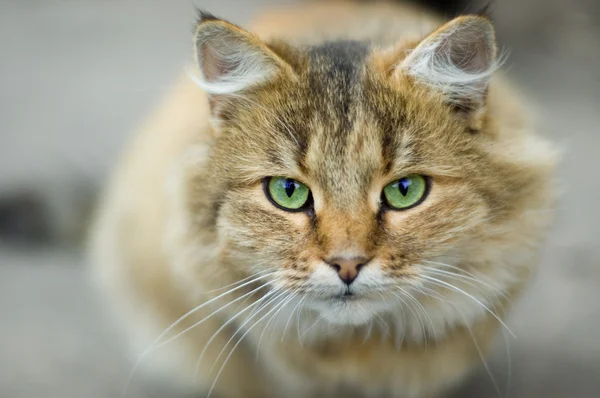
[336,204]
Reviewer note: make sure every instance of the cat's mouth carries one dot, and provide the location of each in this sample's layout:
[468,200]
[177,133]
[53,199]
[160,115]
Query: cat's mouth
[347,308]
[348,295]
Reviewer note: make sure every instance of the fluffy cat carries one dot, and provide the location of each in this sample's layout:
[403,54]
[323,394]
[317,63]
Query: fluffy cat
[336,204]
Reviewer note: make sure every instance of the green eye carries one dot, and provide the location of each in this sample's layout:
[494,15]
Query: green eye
[406,192]
[286,193]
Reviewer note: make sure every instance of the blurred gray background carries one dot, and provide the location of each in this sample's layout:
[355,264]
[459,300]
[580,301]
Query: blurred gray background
[76,77]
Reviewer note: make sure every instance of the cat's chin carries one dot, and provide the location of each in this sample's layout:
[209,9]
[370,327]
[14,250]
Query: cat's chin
[347,310]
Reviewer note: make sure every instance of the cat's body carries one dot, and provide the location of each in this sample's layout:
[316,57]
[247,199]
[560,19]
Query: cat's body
[187,215]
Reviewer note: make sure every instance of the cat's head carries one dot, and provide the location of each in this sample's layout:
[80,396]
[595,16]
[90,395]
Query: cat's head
[350,171]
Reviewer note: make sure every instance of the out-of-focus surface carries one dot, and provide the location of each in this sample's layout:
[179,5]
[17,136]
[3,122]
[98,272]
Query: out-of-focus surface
[77,77]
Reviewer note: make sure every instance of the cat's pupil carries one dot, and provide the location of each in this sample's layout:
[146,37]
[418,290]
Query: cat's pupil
[403,186]
[290,187]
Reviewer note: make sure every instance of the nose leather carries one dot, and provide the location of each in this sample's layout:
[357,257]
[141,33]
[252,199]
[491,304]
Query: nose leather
[347,268]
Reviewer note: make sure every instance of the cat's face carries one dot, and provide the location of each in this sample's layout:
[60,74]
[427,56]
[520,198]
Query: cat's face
[343,223]
[346,182]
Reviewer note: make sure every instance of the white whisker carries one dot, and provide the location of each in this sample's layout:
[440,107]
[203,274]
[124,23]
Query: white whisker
[386,327]
[419,305]
[410,308]
[214,313]
[286,301]
[459,269]
[481,356]
[468,275]
[240,281]
[483,360]
[151,347]
[311,297]
[508,365]
[465,279]
[310,327]
[229,321]
[273,297]
[237,344]
[452,287]
[368,334]
[400,337]
[287,324]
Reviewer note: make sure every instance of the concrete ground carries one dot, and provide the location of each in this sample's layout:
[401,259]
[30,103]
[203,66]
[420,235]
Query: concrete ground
[76,77]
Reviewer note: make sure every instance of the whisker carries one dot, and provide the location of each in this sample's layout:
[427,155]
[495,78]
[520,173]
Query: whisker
[460,270]
[452,287]
[368,334]
[400,337]
[311,297]
[151,348]
[469,276]
[419,305]
[508,365]
[481,356]
[236,345]
[274,297]
[240,281]
[214,313]
[229,321]
[287,300]
[490,296]
[388,330]
[310,327]
[410,308]
[464,278]
[429,292]
[483,360]
[436,295]
[386,327]
[287,324]
[294,295]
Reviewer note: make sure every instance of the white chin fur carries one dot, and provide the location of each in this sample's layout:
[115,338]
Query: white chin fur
[350,313]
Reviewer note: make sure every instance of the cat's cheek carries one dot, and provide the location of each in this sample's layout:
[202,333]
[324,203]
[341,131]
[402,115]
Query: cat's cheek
[297,224]
[397,221]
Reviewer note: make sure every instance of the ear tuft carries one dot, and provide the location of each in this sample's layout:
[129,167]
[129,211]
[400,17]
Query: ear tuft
[485,11]
[458,59]
[203,16]
[230,59]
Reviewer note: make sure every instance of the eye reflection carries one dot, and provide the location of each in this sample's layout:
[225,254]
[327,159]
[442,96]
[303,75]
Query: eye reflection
[287,193]
[406,192]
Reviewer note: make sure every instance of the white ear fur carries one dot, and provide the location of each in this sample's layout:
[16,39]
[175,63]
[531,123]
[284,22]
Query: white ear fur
[458,59]
[231,60]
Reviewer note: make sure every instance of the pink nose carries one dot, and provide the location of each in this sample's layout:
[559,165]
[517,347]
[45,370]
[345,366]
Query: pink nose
[347,267]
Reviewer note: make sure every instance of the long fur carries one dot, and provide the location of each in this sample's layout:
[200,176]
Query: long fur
[210,276]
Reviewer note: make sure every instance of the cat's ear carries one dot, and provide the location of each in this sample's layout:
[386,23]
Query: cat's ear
[458,59]
[232,60]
